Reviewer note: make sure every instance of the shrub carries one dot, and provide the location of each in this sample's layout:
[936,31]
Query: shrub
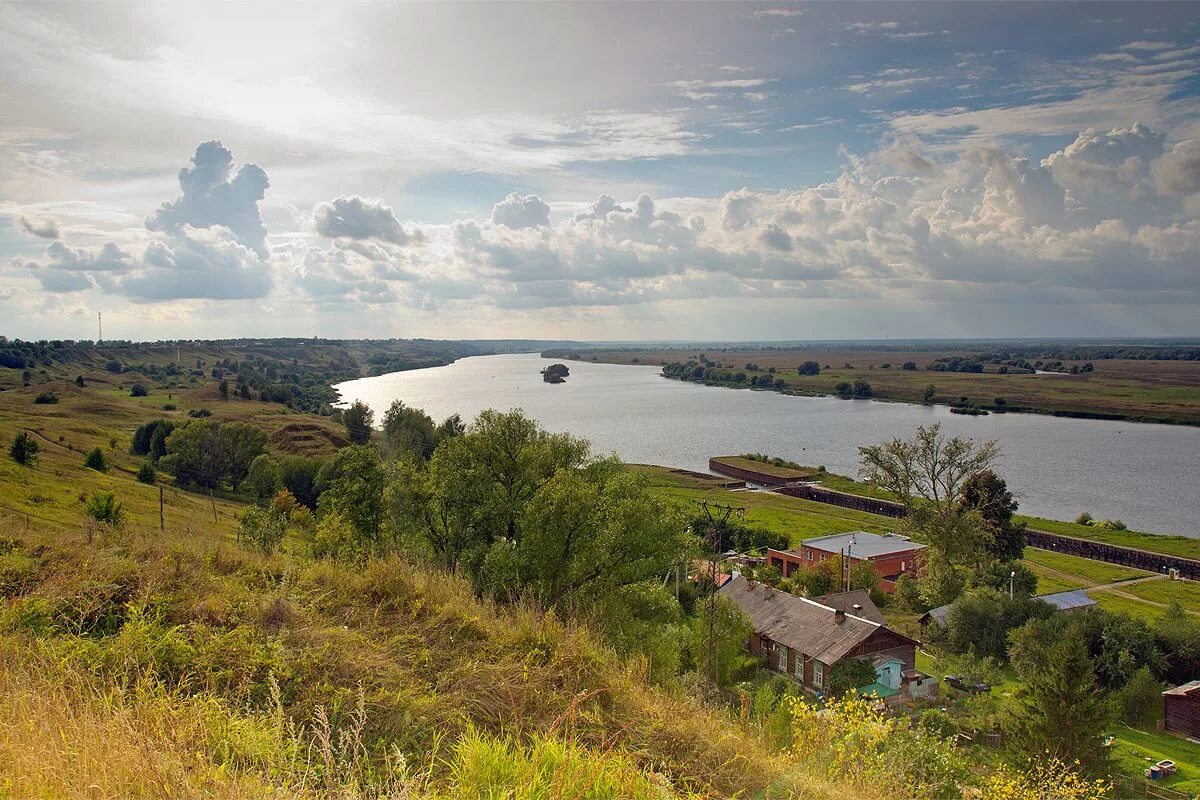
[24,449]
[1084,519]
[79,381]
[168,406]
[46,399]
[264,528]
[138,390]
[199,413]
[95,460]
[146,473]
[113,366]
[104,507]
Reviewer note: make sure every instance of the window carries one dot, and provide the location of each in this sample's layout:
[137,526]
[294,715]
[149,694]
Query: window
[783,655]
[818,674]
[800,666]
[902,567]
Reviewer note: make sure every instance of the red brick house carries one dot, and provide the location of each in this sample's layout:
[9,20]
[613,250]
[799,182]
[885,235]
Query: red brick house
[891,554]
[1182,709]
[805,639]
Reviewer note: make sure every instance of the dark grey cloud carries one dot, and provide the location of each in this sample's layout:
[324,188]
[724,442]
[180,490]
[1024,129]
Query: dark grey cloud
[44,227]
[211,198]
[518,212]
[353,217]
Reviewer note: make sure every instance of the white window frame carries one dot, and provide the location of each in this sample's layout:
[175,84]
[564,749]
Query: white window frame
[799,671]
[818,679]
[781,658]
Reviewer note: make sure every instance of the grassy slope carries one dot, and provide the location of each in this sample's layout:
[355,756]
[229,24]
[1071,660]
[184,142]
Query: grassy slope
[1166,390]
[765,467]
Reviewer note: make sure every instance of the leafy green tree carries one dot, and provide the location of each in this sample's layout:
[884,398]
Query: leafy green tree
[24,449]
[196,454]
[150,438]
[986,493]
[1059,710]
[1140,698]
[929,395]
[909,366]
[223,389]
[809,368]
[980,621]
[929,474]
[146,473]
[1000,576]
[95,460]
[79,381]
[358,419]
[298,474]
[409,432]
[451,426]
[1178,634]
[850,674]
[242,443]
[139,390]
[352,486]
[263,478]
[105,508]
[907,595]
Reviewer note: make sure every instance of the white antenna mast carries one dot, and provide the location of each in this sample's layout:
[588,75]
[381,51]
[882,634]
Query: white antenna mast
[99,328]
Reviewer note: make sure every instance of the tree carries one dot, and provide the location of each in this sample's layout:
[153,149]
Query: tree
[408,431]
[351,487]
[909,366]
[988,494]
[24,449]
[1178,634]
[298,474]
[981,620]
[999,575]
[79,381]
[929,395]
[1059,711]
[242,443]
[850,674]
[95,460]
[809,368]
[358,419]
[138,390]
[223,389]
[146,473]
[1140,697]
[263,477]
[196,455]
[150,439]
[104,507]
[451,426]
[928,474]
[556,373]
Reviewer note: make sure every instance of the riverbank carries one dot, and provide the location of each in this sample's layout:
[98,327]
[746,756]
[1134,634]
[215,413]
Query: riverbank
[1133,390]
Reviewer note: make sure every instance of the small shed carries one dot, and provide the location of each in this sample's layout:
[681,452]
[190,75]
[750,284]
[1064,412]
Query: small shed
[1181,707]
[1073,600]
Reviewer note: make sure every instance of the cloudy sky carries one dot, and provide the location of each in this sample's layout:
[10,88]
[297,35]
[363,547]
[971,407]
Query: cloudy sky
[599,171]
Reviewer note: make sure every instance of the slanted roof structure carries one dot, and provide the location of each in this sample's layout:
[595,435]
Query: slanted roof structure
[1068,601]
[1184,690]
[857,602]
[816,630]
[864,545]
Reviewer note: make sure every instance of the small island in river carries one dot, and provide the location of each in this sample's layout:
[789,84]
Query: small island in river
[555,373]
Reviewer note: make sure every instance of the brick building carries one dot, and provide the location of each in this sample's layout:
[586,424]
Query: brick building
[891,554]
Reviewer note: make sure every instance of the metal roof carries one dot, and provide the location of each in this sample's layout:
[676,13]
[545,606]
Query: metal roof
[801,624]
[1184,690]
[1066,601]
[863,544]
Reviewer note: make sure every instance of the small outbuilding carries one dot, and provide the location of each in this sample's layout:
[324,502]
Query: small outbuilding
[1181,709]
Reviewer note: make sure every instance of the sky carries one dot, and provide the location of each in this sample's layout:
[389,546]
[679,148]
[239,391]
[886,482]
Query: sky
[602,171]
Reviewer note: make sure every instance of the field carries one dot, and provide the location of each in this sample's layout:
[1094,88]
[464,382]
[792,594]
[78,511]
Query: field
[1167,391]
[798,519]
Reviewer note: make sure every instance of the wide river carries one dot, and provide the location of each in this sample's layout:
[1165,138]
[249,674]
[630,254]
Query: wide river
[1146,475]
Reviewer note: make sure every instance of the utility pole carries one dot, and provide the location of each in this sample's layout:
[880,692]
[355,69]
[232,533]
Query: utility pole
[713,511]
[99,328]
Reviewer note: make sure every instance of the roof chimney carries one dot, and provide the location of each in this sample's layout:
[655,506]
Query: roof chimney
[839,616]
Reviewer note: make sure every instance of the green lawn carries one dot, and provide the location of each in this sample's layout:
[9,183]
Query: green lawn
[1049,583]
[1134,750]
[797,519]
[1187,593]
[1134,608]
[1087,570]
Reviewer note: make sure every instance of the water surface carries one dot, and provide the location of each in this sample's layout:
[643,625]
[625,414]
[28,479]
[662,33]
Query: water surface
[1057,467]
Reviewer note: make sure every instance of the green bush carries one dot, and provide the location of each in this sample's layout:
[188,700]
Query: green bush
[146,473]
[24,449]
[95,460]
[46,399]
[138,390]
[105,507]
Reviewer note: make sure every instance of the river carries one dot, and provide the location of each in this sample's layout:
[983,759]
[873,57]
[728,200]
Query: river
[1146,475]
